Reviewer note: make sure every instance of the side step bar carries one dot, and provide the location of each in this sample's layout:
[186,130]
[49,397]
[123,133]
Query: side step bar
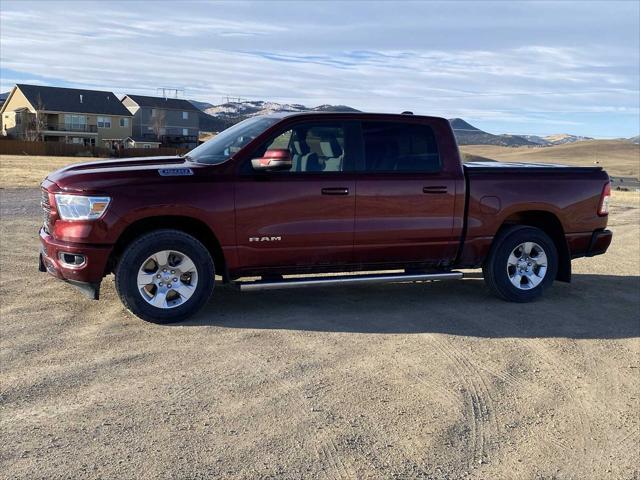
[345,279]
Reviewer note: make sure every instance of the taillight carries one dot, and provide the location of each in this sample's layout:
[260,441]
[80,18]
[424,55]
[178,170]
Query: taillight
[603,208]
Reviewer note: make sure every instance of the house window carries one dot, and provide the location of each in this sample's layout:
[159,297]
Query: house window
[104,122]
[185,115]
[185,132]
[153,112]
[76,123]
[124,122]
[147,145]
[18,119]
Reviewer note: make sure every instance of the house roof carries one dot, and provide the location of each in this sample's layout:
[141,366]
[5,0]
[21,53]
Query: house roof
[161,102]
[57,99]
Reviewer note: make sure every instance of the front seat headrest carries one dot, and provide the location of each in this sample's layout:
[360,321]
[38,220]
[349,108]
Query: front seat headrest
[330,147]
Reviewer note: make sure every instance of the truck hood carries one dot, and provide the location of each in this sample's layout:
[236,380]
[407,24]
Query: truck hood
[98,176]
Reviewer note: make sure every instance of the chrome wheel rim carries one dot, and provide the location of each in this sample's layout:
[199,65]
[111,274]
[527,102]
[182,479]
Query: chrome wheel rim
[527,266]
[167,279]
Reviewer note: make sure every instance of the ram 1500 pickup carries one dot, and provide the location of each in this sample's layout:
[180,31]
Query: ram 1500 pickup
[282,197]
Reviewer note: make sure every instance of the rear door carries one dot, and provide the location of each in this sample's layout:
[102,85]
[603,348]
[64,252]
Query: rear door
[405,202]
[303,217]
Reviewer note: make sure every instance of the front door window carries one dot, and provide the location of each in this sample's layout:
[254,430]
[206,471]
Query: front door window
[313,147]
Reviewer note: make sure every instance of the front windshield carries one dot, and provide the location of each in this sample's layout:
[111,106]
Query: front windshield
[224,145]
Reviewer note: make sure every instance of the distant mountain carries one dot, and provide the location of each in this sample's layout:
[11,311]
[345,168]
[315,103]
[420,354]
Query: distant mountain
[467,134]
[334,108]
[200,105]
[462,126]
[227,114]
[3,97]
[635,139]
[562,138]
[536,139]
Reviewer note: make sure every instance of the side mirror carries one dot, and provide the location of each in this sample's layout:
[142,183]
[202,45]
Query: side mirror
[276,159]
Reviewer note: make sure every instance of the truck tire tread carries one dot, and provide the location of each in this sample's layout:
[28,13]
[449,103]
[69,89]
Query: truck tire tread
[146,245]
[494,269]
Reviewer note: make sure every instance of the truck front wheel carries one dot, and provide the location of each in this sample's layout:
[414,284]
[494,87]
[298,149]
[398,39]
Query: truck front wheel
[165,276]
[522,263]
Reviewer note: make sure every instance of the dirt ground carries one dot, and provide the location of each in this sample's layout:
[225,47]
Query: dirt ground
[436,380]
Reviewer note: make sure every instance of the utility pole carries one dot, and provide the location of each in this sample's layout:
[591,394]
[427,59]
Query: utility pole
[164,90]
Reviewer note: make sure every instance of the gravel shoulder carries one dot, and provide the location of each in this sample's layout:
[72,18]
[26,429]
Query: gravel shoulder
[437,380]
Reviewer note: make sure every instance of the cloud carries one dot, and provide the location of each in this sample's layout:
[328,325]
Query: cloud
[307,54]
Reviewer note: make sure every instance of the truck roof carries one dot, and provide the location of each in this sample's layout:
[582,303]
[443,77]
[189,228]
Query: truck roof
[355,115]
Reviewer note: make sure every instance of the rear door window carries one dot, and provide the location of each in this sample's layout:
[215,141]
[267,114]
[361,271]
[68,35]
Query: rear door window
[400,147]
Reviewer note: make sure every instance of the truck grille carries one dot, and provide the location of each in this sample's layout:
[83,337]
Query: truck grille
[46,210]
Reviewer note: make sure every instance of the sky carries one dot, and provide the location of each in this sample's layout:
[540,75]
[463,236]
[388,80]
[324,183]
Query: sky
[506,67]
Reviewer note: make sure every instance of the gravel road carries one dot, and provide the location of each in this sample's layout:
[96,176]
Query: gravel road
[436,380]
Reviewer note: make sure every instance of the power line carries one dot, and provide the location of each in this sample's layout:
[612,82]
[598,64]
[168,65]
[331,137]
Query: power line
[164,91]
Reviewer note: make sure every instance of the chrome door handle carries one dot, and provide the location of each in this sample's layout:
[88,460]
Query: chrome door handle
[435,189]
[335,191]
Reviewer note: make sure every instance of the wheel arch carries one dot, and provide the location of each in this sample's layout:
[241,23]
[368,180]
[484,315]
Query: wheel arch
[550,224]
[192,226]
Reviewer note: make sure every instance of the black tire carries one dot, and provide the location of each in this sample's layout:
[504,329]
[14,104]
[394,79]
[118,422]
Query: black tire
[139,251]
[496,275]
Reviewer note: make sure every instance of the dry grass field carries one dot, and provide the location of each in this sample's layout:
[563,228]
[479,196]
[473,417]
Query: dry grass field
[433,381]
[18,171]
[619,158]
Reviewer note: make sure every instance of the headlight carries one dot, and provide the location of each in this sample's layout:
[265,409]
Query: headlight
[81,207]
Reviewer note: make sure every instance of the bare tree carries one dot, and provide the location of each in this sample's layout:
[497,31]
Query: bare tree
[36,122]
[158,123]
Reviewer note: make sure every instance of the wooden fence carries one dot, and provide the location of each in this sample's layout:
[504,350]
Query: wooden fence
[19,147]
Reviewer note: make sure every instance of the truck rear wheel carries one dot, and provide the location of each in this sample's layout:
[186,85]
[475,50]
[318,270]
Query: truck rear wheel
[165,276]
[523,262]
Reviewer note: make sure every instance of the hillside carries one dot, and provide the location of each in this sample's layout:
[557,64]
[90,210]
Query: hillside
[219,117]
[200,105]
[563,138]
[467,134]
[620,158]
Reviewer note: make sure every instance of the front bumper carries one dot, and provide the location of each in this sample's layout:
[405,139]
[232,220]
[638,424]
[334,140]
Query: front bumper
[87,277]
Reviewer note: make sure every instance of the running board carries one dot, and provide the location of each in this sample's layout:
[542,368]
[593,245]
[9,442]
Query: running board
[345,279]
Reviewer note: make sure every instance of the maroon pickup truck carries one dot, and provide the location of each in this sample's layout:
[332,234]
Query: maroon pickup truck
[283,197]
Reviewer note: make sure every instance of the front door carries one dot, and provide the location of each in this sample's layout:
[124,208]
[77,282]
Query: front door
[405,202]
[303,217]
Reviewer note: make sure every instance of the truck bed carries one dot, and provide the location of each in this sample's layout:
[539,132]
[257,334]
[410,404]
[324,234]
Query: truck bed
[520,167]
[563,198]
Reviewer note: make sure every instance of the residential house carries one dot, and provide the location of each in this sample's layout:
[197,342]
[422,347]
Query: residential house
[172,121]
[54,114]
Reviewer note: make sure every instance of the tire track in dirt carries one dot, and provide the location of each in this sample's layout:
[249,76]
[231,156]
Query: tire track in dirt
[328,452]
[403,454]
[620,442]
[585,435]
[331,456]
[481,412]
[415,371]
